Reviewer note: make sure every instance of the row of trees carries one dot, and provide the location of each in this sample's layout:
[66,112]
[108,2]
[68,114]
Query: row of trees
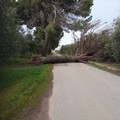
[49,17]
[102,44]
[68,49]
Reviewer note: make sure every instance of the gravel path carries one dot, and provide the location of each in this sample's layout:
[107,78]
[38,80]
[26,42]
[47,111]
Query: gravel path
[82,92]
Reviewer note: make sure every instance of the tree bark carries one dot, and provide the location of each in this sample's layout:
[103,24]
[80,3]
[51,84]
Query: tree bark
[59,59]
[46,45]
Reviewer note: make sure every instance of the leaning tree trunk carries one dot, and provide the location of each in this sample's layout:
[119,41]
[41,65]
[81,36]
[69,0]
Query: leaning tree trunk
[59,59]
[46,45]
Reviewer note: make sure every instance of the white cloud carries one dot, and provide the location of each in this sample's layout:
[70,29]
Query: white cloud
[27,30]
[67,39]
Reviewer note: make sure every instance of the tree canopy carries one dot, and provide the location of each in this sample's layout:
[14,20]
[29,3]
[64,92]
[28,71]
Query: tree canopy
[47,14]
[43,12]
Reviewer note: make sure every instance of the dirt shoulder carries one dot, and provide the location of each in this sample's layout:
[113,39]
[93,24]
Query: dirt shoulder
[110,67]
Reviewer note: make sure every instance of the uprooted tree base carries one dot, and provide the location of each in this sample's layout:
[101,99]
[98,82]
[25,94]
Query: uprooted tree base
[59,59]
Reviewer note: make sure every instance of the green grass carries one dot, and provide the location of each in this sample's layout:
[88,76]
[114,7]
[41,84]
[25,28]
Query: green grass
[16,62]
[21,88]
[103,66]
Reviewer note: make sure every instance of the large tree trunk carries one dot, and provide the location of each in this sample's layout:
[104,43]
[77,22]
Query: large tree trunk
[45,45]
[59,59]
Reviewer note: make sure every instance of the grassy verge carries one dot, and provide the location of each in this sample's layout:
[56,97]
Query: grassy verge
[105,67]
[22,88]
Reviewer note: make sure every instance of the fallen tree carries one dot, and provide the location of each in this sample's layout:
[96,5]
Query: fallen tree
[86,47]
[60,59]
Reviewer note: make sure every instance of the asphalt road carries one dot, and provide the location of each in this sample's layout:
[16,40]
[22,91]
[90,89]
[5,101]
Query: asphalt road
[82,92]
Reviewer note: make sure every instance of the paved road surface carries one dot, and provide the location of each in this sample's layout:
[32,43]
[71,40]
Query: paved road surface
[81,92]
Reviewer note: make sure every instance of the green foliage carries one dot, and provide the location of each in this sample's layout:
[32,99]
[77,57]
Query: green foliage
[103,51]
[115,44]
[38,40]
[44,14]
[50,30]
[68,49]
[86,4]
[81,24]
[23,9]
[54,33]
[57,33]
[24,46]
[18,61]
[13,42]
[112,45]
[9,33]
[21,88]
[82,8]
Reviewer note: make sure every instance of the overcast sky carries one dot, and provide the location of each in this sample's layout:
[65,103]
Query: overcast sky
[105,10]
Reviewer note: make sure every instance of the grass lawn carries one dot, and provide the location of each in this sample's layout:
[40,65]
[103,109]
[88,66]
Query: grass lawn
[22,87]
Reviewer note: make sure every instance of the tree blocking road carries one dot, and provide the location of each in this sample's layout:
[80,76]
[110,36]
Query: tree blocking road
[59,59]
